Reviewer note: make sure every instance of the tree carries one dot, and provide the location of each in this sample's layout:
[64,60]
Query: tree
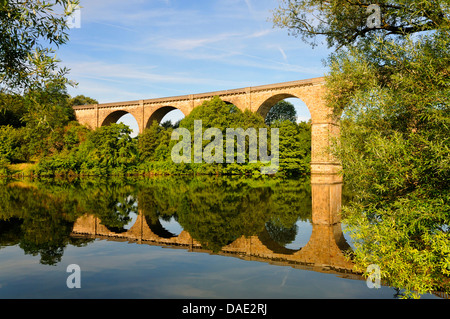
[28,31]
[395,150]
[81,100]
[391,87]
[344,22]
[295,147]
[32,85]
[47,113]
[218,114]
[12,110]
[281,111]
[108,150]
[151,139]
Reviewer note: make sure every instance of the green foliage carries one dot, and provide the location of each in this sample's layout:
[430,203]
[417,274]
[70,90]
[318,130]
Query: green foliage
[344,23]
[33,96]
[29,30]
[81,100]
[395,151]
[37,124]
[282,111]
[4,168]
[295,147]
[48,108]
[153,143]
[7,142]
[391,87]
[12,110]
[108,150]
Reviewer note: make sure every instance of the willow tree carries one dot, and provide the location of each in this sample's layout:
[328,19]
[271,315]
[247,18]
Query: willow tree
[29,33]
[389,81]
[33,85]
[344,23]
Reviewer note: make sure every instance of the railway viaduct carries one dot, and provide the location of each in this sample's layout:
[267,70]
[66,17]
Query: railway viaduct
[257,99]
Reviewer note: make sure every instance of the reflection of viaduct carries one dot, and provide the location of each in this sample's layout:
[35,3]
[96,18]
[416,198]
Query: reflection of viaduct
[256,99]
[324,251]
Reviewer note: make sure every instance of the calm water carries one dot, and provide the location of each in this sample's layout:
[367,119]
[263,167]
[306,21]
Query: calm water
[167,237]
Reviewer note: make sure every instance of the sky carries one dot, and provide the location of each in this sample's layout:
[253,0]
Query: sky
[136,49]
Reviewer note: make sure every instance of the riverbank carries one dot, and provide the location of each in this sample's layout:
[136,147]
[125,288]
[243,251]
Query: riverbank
[158,168]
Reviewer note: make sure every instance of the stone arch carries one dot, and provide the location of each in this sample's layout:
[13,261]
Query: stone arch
[115,116]
[265,107]
[324,126]
[159,114]
[236,101]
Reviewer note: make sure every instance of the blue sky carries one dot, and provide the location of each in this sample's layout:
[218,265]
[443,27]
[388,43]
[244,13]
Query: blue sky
[136,49]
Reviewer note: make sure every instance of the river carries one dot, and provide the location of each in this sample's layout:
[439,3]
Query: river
[177,237]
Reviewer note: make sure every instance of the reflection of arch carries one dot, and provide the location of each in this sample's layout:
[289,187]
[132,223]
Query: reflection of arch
[126,227]
[158,229]
[272,245]
[159,114]
[140,231]
[265,107]
[324,248]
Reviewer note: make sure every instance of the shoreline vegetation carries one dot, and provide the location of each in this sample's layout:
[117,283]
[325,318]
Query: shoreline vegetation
[69,149]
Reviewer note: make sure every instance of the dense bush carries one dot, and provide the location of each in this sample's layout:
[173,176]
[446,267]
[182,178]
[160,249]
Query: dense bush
[60,146]
[155,143]
[108,150]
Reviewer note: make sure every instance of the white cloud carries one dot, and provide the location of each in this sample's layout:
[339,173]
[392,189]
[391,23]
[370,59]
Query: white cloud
[109,82]
[105,93]
[283,54]
[186,44]
[138,14]
[143,49]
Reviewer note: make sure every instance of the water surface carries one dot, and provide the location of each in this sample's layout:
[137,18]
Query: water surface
[177,237]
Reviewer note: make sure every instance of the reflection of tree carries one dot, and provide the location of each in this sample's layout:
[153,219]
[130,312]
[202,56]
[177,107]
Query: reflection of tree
[112,201]
[217,215]
[281,234]
[38,222]
[217,211]
[10,231]
[45,232]
[118,216]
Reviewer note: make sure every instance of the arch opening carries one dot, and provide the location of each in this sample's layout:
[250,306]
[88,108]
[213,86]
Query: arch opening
[167,115]
[125,118]
[302,113]
[172,118]
[292,118]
